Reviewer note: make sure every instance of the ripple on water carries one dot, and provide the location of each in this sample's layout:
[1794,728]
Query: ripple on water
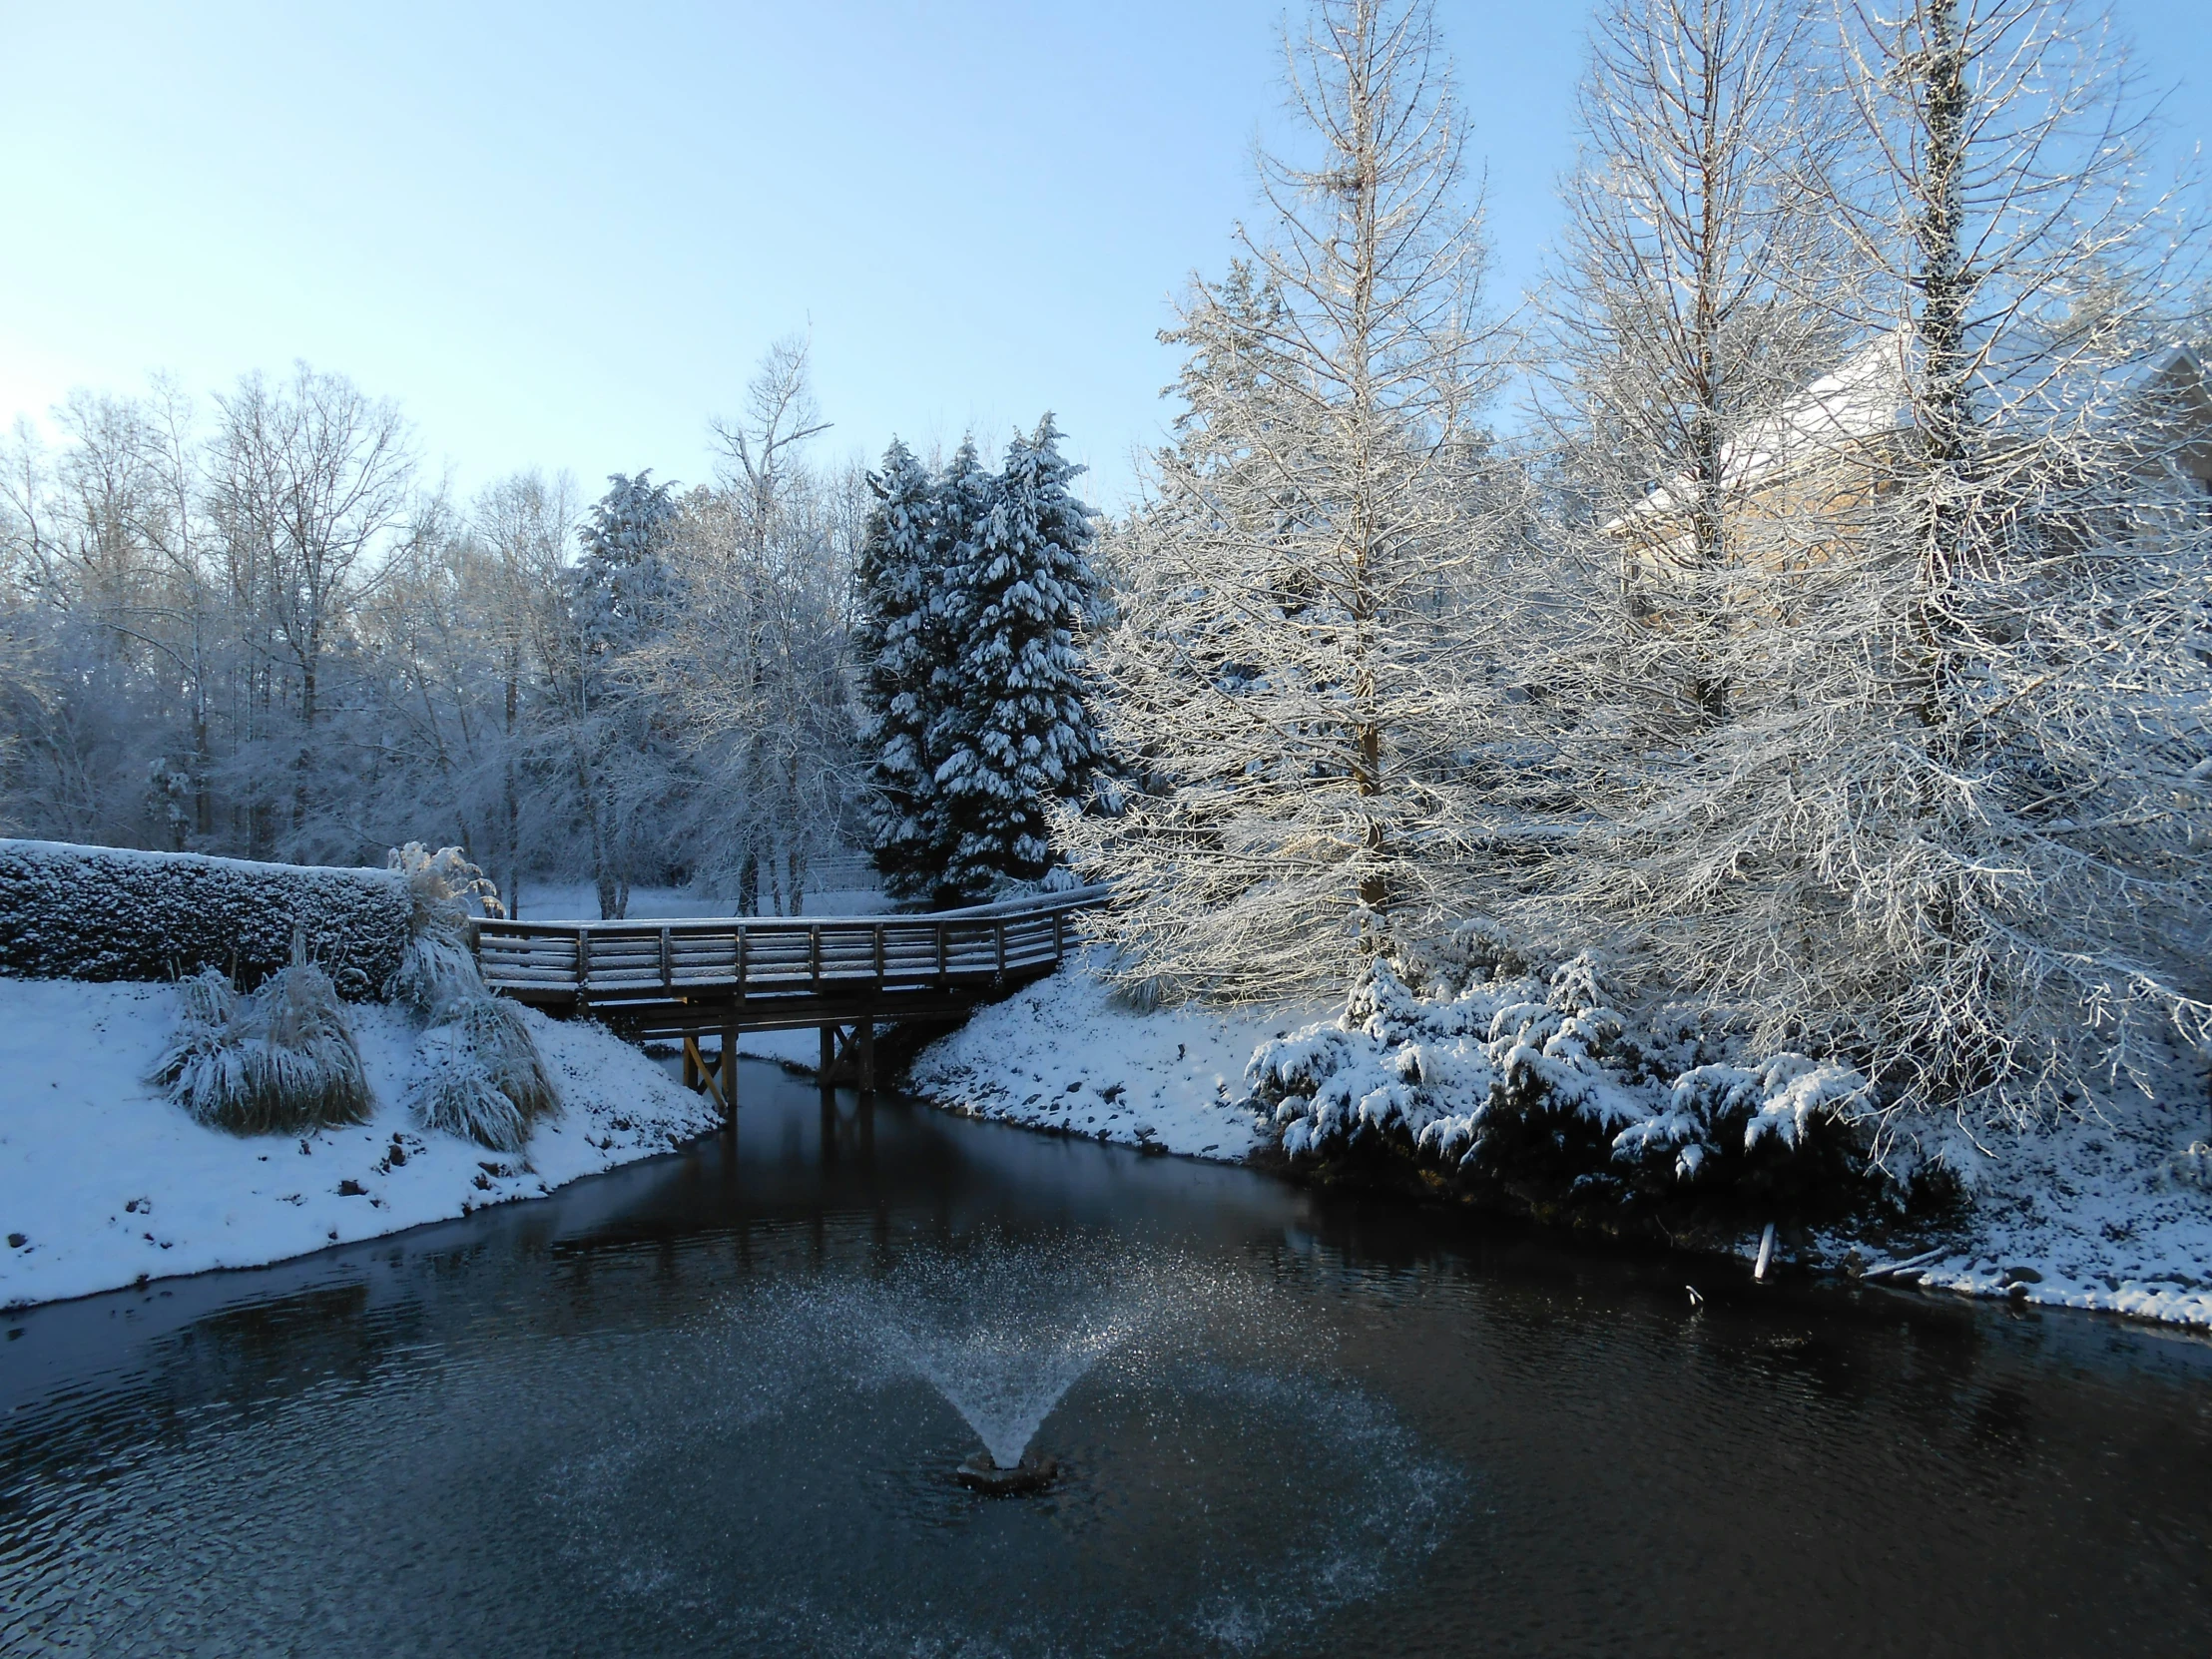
[1222,1483]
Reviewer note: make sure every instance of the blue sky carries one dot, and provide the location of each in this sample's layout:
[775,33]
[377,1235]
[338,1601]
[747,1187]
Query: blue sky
[561,236]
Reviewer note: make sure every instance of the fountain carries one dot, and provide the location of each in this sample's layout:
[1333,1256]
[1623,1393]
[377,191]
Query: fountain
[1002,1335]
[981,1474]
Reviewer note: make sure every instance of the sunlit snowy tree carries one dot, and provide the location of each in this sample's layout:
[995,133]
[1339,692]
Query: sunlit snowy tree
[900,639]
[1018,733]
[1300,658]
[1952,824]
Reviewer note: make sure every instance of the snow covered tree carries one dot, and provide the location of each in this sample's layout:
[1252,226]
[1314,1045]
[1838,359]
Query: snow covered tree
[901,641]
[1016,734]
[1952,824]
[752,675]
[1703,284]
[1699,283]
[1301,658]
[622,584]
[619,593]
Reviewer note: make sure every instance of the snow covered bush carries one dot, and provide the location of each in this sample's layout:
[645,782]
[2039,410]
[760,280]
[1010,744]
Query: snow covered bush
[1496,1068]
[276,1062]
[478,1073]
[96,913]
[437,964]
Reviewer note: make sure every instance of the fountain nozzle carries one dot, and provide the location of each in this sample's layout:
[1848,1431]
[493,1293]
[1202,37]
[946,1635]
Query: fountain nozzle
[981,1475]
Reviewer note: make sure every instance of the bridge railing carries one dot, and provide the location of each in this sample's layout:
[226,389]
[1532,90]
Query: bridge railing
[746,958]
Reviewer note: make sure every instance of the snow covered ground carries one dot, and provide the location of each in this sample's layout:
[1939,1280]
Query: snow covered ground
[2113,1214]
[573,900]
[1061,1054]
[104,1182]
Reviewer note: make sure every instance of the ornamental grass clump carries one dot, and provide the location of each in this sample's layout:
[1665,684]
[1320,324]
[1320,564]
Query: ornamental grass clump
[278,1061]
[478,1073]
[436,965]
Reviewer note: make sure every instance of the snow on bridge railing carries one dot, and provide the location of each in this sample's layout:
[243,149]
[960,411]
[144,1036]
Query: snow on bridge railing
[744,957]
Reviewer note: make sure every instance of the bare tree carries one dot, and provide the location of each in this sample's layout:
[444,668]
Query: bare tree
[1948,826]
[761,452]
[313,474]
[1289,663]
[754,669]
[1703,286]
[526,524]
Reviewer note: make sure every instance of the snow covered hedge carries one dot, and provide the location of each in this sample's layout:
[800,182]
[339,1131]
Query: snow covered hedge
[95,913]
[1499,1068]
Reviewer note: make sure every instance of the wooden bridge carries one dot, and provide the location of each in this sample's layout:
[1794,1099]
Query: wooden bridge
[680,979]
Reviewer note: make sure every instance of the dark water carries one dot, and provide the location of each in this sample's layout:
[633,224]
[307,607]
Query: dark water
[686,1408]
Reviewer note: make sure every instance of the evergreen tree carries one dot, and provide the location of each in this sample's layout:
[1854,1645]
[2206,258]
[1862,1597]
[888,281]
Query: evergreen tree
[619,596]
[900,642]
[1018,732]
[622,583]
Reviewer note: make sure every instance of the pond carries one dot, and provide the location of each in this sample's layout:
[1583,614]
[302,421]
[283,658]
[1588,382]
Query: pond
[715,1404]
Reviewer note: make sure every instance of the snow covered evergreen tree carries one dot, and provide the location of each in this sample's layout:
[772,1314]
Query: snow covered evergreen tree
[622,581]
[618,594]
[900,642]
[1018,733]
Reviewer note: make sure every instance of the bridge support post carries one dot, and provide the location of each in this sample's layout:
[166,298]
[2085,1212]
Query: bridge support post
[730,1072]
[828,1054]
[863,1036]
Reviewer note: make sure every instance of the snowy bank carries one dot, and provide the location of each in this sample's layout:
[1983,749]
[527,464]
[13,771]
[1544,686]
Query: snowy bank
[2113,1214]
[102,1180]
[1063,1054]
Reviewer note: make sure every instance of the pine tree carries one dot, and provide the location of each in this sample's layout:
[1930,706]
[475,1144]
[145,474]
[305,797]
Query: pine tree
[1018,734]
[900,642]
[622,582]
[619,594]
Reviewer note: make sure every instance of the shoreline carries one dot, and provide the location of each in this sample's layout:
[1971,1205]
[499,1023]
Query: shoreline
[105,1184]
[2042,1226]
[108,1186]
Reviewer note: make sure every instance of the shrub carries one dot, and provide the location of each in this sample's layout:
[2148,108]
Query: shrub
[1505,1071]
[278,1061]
[436,966]
[93,912]
[478,1073]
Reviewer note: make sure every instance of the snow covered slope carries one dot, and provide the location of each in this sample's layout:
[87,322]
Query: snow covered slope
[1061,1054]
[2113,1212]
[104,1182]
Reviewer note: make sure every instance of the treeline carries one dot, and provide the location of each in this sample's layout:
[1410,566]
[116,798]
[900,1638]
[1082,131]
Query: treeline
[1820,639]
[1824,650]
[258,629]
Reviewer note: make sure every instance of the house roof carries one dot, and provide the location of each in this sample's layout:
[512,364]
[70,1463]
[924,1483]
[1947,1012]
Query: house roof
[1867,397]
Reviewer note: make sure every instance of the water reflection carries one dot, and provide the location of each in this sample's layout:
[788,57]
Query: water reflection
[712,1404]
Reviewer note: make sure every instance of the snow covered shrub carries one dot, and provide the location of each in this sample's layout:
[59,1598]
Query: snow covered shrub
[277,1061]
[1505,1071]
[437,965]
[96,913]
[478,1075]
